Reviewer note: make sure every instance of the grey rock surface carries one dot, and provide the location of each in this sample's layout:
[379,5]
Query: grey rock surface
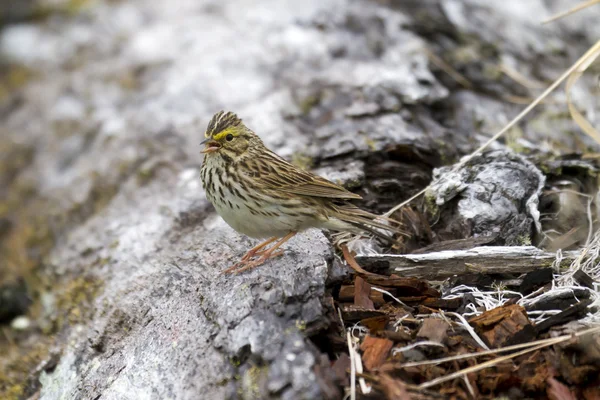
[100,147]
[494,194]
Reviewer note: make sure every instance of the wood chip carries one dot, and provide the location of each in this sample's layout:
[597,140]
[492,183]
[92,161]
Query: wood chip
[346,294]
[583,279]
[397,336]
[352,313]
[375,324]
[499,326]
[446,304]
[361,294]
[434,329]
[375,351]
[571,313]
[535,279]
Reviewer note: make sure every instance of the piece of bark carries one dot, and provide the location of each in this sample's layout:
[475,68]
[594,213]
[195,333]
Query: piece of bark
[346,294]
[472,279]
[500,326]
[434,329]
[583,279]
[375,324]
[455,244]
[393,389]
[361,294]
[396,336]
[352,313]
[558,299]
[403,285]
[446,304]
[485,259]
[375,350]
[535,279]
[572,312]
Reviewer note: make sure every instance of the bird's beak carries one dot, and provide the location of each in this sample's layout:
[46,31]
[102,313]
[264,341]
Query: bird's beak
[211,146]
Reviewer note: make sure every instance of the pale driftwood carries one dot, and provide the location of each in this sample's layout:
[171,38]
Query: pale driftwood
[485,259]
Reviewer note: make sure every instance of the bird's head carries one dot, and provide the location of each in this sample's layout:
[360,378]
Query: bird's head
[228,137]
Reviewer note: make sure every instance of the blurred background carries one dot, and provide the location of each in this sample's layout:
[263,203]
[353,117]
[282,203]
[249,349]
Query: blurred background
[103,104]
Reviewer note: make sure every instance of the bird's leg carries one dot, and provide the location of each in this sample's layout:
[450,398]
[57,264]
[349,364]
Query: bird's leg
[256,249]
[264,256]
[249,254]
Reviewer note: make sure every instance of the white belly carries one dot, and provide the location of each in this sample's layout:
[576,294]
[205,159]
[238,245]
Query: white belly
[258,225]
[246,216]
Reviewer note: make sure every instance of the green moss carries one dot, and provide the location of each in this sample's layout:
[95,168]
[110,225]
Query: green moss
[524,240]
[310,101]
[301,325]
[74,300]
[431,206]
[16,366]
[13,78]
[371,143]
[254,376]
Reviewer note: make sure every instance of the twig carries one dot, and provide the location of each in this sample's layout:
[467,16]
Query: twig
[498,360]
[570,11]
[582,60]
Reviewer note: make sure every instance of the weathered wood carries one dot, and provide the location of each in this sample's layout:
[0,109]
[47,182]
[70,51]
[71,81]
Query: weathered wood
[485,259]
[375,350]
[504,325]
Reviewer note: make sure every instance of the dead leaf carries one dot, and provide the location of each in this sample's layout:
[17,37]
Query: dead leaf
[558,391]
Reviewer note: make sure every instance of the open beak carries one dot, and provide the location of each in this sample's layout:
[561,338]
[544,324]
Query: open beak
[211,146]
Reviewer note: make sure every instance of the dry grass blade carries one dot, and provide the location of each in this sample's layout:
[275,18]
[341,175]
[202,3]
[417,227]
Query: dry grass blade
[583,123]
[570,11]
[498,360]
[447,68]
[584,60]
[520,78]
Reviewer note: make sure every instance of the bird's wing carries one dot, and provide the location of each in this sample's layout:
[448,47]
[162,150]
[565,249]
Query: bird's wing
[271,172]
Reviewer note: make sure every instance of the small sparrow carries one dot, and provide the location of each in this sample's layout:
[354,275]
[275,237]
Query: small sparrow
[261,195]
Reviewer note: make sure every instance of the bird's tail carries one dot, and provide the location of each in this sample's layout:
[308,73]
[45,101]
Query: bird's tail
[369,222]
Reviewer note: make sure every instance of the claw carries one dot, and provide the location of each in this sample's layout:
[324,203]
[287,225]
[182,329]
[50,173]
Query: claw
[246,263]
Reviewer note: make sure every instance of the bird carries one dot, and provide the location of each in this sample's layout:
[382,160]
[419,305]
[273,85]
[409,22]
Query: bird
[261,195]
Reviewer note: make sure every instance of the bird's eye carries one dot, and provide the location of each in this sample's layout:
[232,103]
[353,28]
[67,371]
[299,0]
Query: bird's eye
[229,137]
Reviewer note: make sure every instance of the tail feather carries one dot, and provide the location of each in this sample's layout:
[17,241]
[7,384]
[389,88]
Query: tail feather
[367,221]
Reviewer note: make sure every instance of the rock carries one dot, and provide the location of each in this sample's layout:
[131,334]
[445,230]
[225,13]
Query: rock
[102,110]
[494,195]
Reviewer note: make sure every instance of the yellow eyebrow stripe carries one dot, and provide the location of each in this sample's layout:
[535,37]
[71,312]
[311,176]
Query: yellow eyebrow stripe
[222,134]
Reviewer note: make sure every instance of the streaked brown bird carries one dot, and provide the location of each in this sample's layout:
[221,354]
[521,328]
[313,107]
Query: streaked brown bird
[262,195]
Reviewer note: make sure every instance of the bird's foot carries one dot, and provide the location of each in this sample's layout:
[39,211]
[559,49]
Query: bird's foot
[246,263]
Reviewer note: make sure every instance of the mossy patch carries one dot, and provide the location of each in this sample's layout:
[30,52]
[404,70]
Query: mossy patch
[17,363]
[74,301]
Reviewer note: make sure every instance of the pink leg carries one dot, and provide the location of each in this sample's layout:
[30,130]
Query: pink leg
[246,265]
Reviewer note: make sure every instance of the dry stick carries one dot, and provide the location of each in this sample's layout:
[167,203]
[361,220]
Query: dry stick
[579,119]
[478,354]
[352,367]
[495,361]
[353,264]
[582,60]
[571,11]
